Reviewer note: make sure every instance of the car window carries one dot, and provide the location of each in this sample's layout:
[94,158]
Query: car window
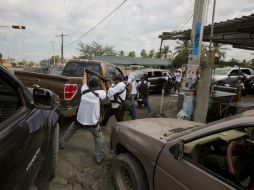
[77,68]
[150,74]
[227,154]
[111,70]
[221,71]
[157,74]
[246,71]
[10,100]
[234,73]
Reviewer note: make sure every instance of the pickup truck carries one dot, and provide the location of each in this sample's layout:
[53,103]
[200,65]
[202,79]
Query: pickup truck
[29,133]
[68,83]
[228,76]
[166,153]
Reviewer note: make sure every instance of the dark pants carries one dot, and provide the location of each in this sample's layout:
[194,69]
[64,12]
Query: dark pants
[109,111]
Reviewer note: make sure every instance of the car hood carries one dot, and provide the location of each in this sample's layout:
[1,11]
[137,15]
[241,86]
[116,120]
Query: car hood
[148,136]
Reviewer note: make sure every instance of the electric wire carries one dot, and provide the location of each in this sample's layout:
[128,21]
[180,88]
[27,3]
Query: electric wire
[99,23]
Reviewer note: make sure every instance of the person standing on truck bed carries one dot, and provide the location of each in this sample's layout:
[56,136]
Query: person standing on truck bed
[88,114]
[117,95]
[143,87]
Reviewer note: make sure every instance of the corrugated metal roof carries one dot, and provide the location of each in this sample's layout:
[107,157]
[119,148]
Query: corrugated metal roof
[133,61]
[238,32]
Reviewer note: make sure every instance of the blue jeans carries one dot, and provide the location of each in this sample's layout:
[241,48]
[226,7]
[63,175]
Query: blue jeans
[147,104]
[133,110]
[97,134]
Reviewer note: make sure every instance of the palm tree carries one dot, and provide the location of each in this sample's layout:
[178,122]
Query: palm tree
[121,53]
[132,54]
[220,51]
[166,52]
[183,47]
[151,53]
[143,53]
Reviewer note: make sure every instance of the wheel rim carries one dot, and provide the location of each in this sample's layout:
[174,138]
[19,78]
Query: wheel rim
[124,178]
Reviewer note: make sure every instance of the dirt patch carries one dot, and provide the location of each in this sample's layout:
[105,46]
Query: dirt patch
[77,168]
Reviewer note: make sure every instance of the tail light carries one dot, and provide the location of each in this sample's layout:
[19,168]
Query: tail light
[70,91]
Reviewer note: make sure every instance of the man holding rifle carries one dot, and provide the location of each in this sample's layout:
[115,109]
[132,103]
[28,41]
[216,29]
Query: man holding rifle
[89,113]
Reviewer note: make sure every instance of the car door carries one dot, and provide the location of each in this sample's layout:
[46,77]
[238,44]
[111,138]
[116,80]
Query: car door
[185,173]
[20,135]
[232,79]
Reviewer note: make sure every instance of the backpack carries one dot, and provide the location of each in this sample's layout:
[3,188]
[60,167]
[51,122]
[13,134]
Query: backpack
[143,89]
[126,105]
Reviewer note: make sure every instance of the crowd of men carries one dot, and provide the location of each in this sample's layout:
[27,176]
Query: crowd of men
[95,94]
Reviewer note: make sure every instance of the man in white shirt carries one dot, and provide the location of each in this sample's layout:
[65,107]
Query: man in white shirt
[178,78]
[117,96]
[132,89]
[143,88]
[88,114]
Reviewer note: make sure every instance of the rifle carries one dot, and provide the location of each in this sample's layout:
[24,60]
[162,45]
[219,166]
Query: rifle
[97,75]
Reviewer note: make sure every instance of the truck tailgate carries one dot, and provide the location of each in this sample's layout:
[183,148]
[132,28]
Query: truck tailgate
[54,83]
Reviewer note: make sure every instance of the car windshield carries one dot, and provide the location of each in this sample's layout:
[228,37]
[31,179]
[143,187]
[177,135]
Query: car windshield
[137,74]
[222,71]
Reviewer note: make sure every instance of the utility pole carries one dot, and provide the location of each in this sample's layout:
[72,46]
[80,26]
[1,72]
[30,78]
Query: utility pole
[53,43]
[62,35]
[204,85]
[194,56]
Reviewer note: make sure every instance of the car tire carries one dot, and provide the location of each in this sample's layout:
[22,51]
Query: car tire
[53,152]
[128,173]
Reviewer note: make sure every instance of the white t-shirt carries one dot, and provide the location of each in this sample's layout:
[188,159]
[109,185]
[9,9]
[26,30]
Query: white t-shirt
[133,85]
[89,109]
[116,89]
[178,77]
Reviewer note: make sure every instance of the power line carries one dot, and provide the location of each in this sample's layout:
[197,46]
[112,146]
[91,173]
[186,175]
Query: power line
[101,21]
[186,22]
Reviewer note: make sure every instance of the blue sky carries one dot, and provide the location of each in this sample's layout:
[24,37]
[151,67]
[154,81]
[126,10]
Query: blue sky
[135,26]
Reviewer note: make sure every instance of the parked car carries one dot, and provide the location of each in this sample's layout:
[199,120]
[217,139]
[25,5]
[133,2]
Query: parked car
[155,77]
[29,133]
[228,76]
[67,84]
[166,153]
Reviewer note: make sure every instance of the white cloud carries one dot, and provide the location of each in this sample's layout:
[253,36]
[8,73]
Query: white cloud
[135,26]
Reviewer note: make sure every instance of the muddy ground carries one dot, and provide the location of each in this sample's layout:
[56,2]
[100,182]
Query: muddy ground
[77,168]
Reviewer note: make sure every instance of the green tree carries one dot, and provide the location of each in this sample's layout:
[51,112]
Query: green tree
[1,56]
[95,49]
[181,53]
[165,53]
[57,59]
[132,54]
[30,64]
[143,53]
[220,51]
[44,62]
[121,53]
[151,53]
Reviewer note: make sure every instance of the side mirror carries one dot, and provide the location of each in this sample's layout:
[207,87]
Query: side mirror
[177,150]
[44,99]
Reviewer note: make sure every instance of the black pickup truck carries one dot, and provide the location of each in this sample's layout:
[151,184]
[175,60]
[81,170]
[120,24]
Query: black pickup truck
[29,133]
